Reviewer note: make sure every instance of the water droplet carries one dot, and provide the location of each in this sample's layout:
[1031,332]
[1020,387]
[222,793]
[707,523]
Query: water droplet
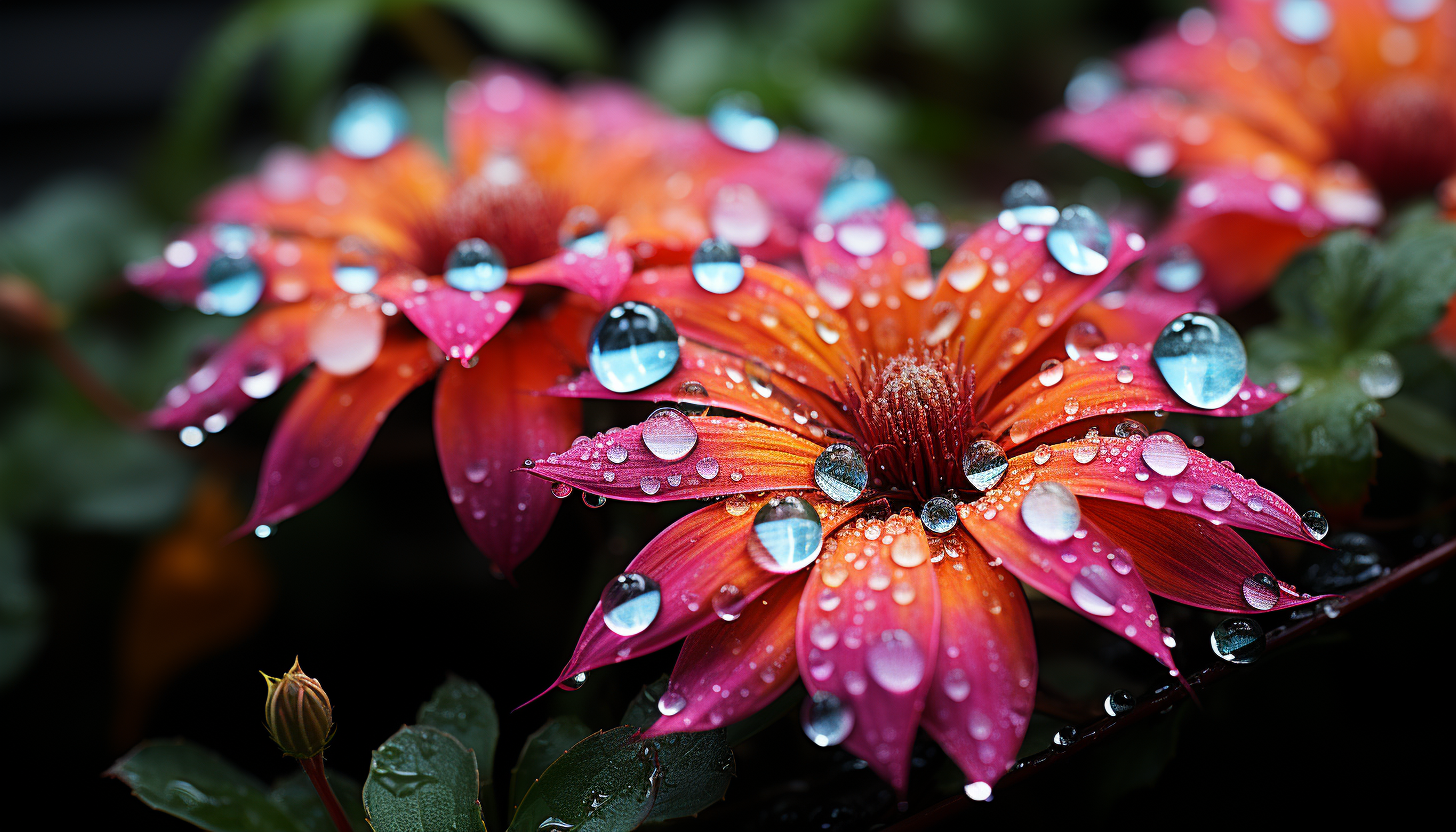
[617,454]
[346,336]
[573,682]
[1315,523]
[1261,591]
[1412,11]
[938,515]
[591,500]
[671,703]
[861,237]
[736,505]
[1042,455]
[1119,702]
[633,346]
[1064,737]
[630,603]
[841,472]
[1380,376]
[263,531]
[737,120]
[717,266]
[1179,270]
[707,467]
[855,187]
[1095,83]
[1217,498]
[1303,21]
[582,231]
[1096,591]
[1082,338]
[826,720]
[1238,640]
[1084,452]
[1080,241]
[667,433]
[896,662]
[729,602]
[232,285]
[1050,510]
[1202,358]
[984,464]
[979,791]
[261,378]
[1051,372]
[354,268]
[1165,453]
[370,121]
[929,229]
[1028,202]
[787,534]
[649,485]
[560,490]
[475,266]
[1130,428]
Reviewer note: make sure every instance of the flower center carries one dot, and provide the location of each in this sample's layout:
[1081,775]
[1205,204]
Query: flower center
[520,219]
[915,415]
[1403,135]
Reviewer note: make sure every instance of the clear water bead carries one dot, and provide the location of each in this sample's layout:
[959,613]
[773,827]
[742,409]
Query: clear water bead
[475,266]
[1303,21]
[1028,202]
[1096,591]
[573,682]
[1130,428]
[232,285]
[984,464]
[1051,511]
[787,535]
[1082,339]
[1261,591]
[938,515]
[1179,270]
[717,266]
[354,269]
[630,603]
[1316,524]
[729,602]
[671,703]
[855,187]
[1380,375]
[1202,358]
[1064,737]
[1119,702]
[826,720]
[896,662]
[668,434]
[929,228]
[370,121]
[979,791]
[1165,454]
[841,472]
[1238,640]
[633,346]
[582,231]
[1080,240]
[737,120]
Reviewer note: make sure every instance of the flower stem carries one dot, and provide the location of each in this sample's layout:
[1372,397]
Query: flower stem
[315,768]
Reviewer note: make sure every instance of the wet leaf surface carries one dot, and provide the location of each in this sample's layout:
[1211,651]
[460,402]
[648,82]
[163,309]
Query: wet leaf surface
[541,750]
[608,781]
[422,780]
[192,783]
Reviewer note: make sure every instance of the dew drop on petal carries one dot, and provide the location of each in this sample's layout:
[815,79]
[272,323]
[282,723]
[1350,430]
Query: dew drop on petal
[617,454]
[668,434]
[1050,510]
[671,703]
[1028,202]
[1095,590]
[1042,454]
[826,720]
[787,534]
[1165,454]
[1082,338]
[895,661]
[1261,591]
[630,603]
[560,490]
[1314,523]
[370,121]
[1217,498]
[573,682]
[1380,376]
[979,791]
[474,265]
[1051,372]
[1130,429]
[232,285]
[1084,452]
[984,464]
[841,472]
[1080,240]
[855,187]
[707,467]
[346,336]
[261,378]
[354,268]
[633,346]
[1202,358]
[737,120]
[1119,702]
[729,602]
[1303,21]
[1179,270]
[717,266]
[938,515]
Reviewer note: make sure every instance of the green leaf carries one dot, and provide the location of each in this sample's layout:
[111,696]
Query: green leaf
[466,712]
[642,710]
[22,607]
[316,43]
[422,780]
[196,785]
[296,795]
[541,750]
[1324,434]
[1418,278]
[1420,427]
[1324,291]
[604,782]
[696,768]
[558,30]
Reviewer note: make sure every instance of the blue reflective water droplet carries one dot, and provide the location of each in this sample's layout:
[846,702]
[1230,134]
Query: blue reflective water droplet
[1095,83]
[1179,270]
[983,463]
[1316,524]
[826,720]
[1051,511]
[1238,640]
[233,239]
[630,603]
[354,266]
[938,515]
[929,228]
[582,231]
[738,121]
[1303,21]
[475,266]
[1028,202]
[857,186]
[787,534]
[370,121]
[717,266]
[1080,240]
[1119,702]
[232,285]
[633,346]
[1202,358]
[841,472]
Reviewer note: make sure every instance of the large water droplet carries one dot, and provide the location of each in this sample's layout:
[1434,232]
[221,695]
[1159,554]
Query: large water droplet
[475,266]
[1165,454]
[582,231]
[1303,21]
[979,791]
[1316,524]
[938,515]
[896,662]
[1080,240]
[1179,270]
[826,720]
[1064,737]
[984,464]
[354,268]
[1380,375]
[1082,338]
[738,121]
[668,434]
[1261,591]
[855,187]
[671,703]
[787,534]
[232,285]
[630,603]
[841,472]
[1130,428]
[573,682]
[740,216]
[1238,640]
[346,336]
[1412,11]
[633,346]
[262,376]
[370,121]
[1119,702]
[1050,510]
[717,266]
[729,602]
[1202,358]
[1028,202]
[929,228]
[1096,591]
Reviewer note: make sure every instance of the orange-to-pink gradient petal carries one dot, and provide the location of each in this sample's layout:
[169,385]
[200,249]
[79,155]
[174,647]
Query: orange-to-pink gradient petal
[458,322]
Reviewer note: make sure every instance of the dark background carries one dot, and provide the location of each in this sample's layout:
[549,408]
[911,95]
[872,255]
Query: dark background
[381,594]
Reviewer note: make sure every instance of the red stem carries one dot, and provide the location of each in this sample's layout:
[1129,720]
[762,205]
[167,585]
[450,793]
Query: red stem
[315,768]
[954,807]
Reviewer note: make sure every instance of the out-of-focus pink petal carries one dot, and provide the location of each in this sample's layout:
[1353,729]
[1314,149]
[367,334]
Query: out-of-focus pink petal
[728,456]
[294,268]
[505,113]
[1119,469]
[600,278]
[1125,381]
[869,633]
[731,669]
[1190,560]
[691,561]
[328,426]
[267,351]
[711,377]
[1086,572]
[458,322]
[1138,314]
[487,419]
[985,676]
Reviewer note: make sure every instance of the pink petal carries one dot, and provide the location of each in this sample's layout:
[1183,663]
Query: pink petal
[270,348]
[293,268]
[458,322]
[731,669]
[600,278]
[487,419]
[498,113]
[728,456]
[328,426]
[868,633]
[985,676]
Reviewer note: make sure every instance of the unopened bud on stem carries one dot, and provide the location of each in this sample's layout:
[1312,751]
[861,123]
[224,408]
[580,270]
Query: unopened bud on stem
[298,714]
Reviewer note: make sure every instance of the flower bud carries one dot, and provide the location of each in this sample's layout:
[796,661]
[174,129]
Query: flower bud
[298,714]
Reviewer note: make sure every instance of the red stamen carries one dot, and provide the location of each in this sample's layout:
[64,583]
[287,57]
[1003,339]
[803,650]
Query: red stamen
[521,220]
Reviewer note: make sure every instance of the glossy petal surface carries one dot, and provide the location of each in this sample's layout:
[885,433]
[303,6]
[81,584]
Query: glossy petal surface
[600,278]
[458,322]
